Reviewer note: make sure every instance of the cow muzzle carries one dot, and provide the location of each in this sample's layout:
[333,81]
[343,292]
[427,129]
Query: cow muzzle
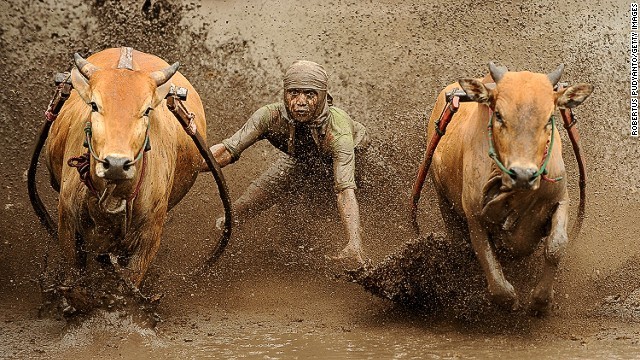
[116,168]
[522,178]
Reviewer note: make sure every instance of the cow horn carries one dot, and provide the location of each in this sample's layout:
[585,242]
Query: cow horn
[162,76]
[497,72]
[86,68]
[554,76]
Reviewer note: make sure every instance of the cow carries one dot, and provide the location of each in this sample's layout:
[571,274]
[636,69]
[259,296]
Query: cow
[139,165]
[516,198]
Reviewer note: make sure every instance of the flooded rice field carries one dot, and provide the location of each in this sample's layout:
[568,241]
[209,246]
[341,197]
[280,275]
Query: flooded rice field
[274,294]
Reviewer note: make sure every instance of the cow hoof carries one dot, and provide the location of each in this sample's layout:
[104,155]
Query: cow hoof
[540,305]
[505,297]
[507,303]
[75,300]
[539,310]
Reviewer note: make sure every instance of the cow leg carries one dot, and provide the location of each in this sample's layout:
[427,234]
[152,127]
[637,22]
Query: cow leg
[500,290]
[144,246]
[455,225]
[76,296]
[555,245]
[81,252]
[68,239]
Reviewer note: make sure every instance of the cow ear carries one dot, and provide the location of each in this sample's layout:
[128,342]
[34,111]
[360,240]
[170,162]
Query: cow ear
[161,93]
[573,95]
[476,90]
[81,84]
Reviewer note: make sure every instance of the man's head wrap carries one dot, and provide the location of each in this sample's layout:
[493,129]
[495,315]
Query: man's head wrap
[304,74]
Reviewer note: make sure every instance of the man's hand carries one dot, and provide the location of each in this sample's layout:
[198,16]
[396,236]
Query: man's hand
[221,154]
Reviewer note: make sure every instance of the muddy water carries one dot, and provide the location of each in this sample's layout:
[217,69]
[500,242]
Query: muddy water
[273,295]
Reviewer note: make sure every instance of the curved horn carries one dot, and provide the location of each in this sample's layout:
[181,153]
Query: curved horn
[86,68]
[554,76]
[162,76]
[497,72]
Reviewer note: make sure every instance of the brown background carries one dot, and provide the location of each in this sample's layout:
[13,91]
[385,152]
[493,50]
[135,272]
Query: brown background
[387,60]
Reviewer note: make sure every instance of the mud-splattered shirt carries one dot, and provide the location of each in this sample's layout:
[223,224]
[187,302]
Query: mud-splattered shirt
[335,140]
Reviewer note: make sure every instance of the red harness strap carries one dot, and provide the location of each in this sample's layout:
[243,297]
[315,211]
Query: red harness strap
[574,136]
[83,164]
[441,126]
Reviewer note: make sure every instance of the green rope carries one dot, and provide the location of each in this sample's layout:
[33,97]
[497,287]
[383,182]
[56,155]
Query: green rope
[87,143]
[492,151]
[543,169]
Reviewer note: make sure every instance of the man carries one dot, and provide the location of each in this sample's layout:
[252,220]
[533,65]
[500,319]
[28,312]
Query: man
[314,136]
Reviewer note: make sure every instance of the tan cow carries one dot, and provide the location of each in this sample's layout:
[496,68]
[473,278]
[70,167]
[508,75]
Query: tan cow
[119,94]
[518,207]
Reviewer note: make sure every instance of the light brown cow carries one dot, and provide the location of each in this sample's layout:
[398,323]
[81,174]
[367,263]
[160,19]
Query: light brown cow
[518,207]
[120,94]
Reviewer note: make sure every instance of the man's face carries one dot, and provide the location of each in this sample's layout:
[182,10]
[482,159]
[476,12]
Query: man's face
[302,104]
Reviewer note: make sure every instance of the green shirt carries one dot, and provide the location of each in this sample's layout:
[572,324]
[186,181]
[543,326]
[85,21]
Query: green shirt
[335,140]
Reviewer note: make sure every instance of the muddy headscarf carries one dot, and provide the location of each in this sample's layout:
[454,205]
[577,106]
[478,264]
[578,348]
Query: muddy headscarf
[304,74]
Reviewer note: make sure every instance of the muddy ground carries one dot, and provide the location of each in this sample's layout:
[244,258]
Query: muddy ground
[273,294]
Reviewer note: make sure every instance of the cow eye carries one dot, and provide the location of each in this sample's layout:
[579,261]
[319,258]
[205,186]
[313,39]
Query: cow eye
[146,112]
[499,117]
[94,106]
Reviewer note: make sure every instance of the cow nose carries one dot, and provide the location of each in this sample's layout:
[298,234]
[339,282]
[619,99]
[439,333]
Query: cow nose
[117,168]
[523,177]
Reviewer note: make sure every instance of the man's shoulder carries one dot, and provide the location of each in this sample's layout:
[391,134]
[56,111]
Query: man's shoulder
[341,122]
[339,114]
[275,108]
[270,113]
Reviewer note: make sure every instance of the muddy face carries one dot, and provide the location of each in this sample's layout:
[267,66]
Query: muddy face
[303,105]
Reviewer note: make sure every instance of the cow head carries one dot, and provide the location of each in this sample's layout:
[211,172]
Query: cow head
[523,104]
[121,101]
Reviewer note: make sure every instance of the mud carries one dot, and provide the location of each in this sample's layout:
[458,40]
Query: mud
[273,294]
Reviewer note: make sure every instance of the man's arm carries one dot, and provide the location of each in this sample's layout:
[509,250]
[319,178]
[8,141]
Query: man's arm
[350,215]
[246,136]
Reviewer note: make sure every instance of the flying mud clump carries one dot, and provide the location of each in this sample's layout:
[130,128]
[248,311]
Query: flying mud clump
[430,273]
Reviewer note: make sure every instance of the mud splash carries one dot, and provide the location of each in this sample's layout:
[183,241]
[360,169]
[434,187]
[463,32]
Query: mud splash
[441,276]
[431,273]
[101,291]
